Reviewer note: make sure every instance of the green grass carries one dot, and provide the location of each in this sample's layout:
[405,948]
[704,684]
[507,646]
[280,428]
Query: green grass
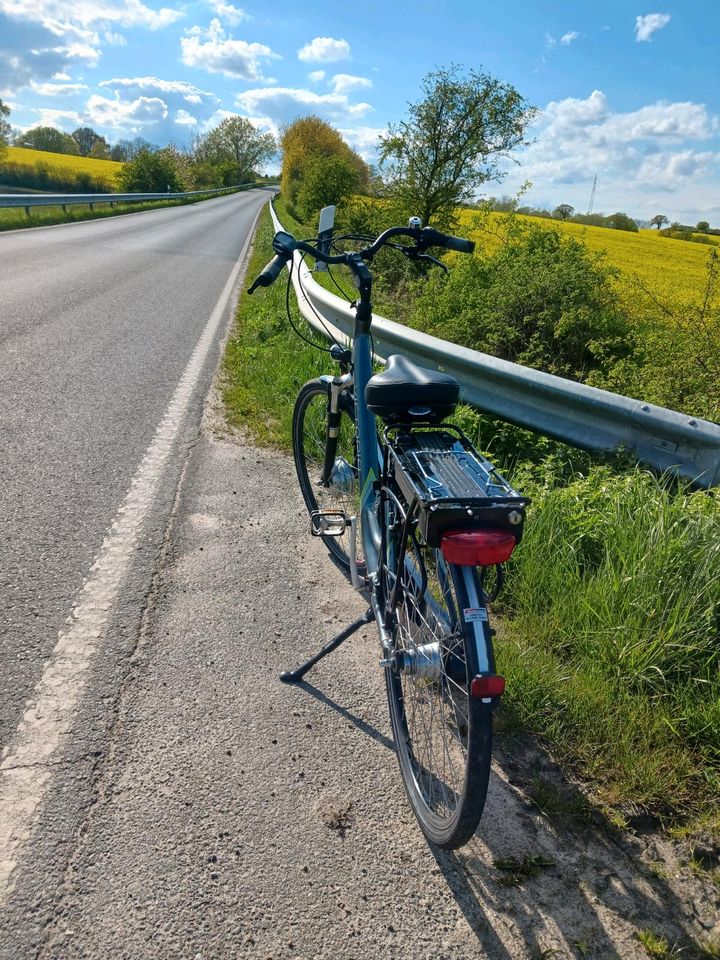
[611,615]
[14,218]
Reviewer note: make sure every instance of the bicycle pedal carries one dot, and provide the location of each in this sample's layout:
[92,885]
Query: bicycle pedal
[328,523]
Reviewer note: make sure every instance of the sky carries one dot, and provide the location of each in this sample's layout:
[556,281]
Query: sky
[624,89]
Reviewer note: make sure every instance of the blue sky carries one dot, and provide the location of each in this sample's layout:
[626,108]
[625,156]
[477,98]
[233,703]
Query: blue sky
[627,90]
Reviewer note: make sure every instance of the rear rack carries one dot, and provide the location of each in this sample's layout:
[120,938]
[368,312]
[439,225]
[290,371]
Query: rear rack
[454,486]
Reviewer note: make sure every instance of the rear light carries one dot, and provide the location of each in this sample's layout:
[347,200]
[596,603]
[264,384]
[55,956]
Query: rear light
[477,548]
[491,685]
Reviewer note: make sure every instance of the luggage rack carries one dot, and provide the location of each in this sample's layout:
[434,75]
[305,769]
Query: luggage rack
[453,485]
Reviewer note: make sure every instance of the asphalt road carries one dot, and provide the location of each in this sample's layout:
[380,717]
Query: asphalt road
[97,322]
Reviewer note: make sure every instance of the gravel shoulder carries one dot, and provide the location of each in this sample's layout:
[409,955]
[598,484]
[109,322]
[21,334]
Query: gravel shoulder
[236,817]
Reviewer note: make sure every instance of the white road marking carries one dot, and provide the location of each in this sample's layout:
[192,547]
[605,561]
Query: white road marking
[25,771]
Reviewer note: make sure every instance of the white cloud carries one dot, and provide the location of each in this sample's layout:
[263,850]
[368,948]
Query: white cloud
[316,76]
[346,82]
[213,50]
[550,40]
[227,12]
[68,119]
[364,140]
[283,104]
[56,89]
[114,39]
[567,38]
[119,114]
[185,119]
[324,50]
[636,153]
[66,14]
[189,92]
[646,26]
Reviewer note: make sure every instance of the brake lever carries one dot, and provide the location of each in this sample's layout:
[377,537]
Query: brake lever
[426,256]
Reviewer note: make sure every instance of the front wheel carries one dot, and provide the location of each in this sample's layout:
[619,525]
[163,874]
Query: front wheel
[310,438]
[443,735]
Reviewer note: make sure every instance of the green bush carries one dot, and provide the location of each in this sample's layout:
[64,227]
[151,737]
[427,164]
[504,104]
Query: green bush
[150,173]
[542,300]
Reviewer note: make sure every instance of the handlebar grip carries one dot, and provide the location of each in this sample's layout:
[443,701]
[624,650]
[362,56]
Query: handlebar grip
[433,238]
[270,272]
[459,244]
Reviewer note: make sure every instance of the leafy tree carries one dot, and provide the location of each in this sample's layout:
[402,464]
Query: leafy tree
[100,150]
[48,139]
[126,149]
[659,220]
[4,127]
[86,138]
[149,173]
[621,221]
[563,211]
[310,146]
[703,226]
[452,141]
[237,147]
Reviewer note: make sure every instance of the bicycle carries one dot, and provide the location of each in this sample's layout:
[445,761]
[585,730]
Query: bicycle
[434,517]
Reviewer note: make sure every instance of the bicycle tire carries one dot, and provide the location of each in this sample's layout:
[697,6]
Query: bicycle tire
[441,733]
[309,433]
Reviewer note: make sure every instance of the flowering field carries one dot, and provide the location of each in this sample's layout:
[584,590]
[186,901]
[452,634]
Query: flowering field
[62,161]
[673,271]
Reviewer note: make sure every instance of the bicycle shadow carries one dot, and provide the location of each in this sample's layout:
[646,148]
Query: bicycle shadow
[589,899]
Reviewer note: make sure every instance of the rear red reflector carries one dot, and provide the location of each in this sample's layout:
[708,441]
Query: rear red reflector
[477,548]
[490,686]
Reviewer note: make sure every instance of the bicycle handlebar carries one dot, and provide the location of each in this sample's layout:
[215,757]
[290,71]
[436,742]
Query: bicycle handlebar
[284,245]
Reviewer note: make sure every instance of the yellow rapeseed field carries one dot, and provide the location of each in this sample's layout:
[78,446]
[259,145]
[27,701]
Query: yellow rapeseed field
[673,271]
[105,169]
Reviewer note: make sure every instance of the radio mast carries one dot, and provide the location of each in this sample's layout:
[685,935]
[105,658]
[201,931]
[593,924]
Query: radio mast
[592,196]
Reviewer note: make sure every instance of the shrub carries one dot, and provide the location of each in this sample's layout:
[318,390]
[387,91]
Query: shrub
[542,300]
[150,173]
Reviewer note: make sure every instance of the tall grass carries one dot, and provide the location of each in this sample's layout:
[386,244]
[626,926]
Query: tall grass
[610,638]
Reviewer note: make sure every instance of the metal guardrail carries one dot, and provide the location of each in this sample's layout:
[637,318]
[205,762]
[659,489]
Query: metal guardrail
[581,416]
[27,200]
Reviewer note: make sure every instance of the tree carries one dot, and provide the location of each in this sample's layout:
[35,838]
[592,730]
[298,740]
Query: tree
[563,211]
[149,173]
[100,150]
[236,146]
[452,141]
[313,150]
[703,226]
[659,220]
[621,221]
[86,138]
[126,149]
[5,128]
[48,139]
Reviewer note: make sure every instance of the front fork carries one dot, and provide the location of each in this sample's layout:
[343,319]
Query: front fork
[338,386]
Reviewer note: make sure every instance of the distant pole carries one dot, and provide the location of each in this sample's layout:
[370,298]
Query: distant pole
[592,196]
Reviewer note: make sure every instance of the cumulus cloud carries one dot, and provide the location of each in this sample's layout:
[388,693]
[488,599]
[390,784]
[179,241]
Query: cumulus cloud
[188,91]
[227,12]
[316,76]
[283,104]
[636,152]
[324,50]
[567,38]
[364,140]
[185,119]
[213,50]
[125,115]
[38,34]
[346,83]
[56,89]
[646,26]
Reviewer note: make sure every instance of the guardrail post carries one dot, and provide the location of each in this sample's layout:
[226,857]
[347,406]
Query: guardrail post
[92,206]
[64,208]
[27,211]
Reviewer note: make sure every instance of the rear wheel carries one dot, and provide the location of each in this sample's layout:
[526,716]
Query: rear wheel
[443,735]
[309,443]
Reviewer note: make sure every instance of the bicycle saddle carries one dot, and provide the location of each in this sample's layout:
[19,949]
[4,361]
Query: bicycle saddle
[406,393]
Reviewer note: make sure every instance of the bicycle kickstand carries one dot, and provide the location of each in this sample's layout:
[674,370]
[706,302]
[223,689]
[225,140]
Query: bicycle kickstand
[292,676]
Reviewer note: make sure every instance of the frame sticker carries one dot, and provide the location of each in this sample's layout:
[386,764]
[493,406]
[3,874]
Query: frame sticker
[473,614]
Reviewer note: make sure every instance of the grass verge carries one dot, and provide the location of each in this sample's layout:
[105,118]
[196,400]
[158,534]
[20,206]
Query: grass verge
[15,218]
[611,617]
